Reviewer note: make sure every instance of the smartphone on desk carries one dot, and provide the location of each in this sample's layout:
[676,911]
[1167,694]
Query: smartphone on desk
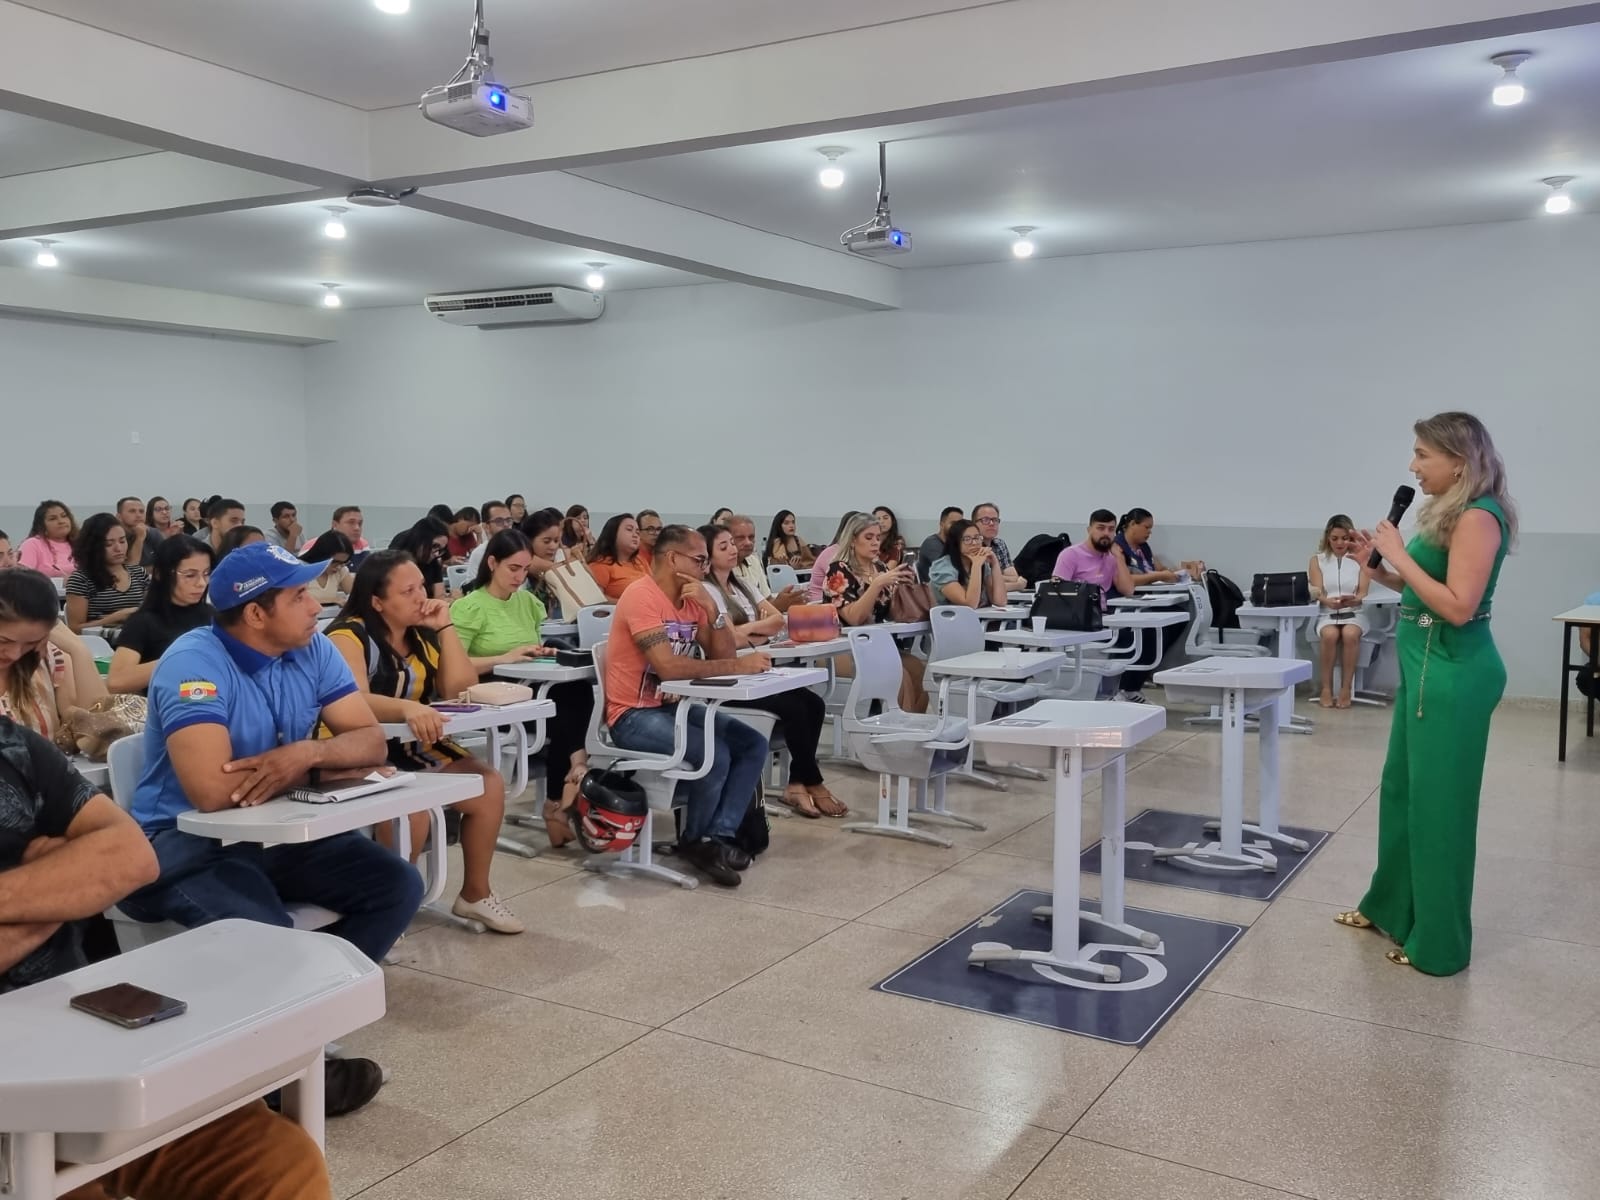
[128,1005]
[718,681]
[455,708]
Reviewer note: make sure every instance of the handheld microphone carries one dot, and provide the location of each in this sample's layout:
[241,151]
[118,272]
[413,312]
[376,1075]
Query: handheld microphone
[1403,496]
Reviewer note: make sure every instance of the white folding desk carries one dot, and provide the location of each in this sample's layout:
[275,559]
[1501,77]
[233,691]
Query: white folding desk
[904,628]
[782,652]
[1286,620]
[542,674]
[1238,687]
[89,1095]
[1010,614]
[1162,587]
[557,629]
[744,687]
[1153,600]
[1585,616]
[1049,639]
[1011,665]
[1021,596]
[1079,736]
[1144,619]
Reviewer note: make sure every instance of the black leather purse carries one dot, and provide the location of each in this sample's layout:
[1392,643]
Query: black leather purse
[1068,604]
[1281,590]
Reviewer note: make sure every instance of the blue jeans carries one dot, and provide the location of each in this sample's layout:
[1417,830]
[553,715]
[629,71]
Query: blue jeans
[717,802]
[375,891]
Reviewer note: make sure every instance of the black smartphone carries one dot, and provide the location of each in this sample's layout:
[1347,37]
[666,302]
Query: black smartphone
[129,1006]
[717,681]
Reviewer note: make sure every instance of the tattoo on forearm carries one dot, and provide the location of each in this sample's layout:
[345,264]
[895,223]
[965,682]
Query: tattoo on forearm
[650,638]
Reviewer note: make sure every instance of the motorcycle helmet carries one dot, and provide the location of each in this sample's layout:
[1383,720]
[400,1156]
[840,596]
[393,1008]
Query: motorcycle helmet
[610,811]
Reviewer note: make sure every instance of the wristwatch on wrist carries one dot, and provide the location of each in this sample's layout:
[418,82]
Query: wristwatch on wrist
[721,622]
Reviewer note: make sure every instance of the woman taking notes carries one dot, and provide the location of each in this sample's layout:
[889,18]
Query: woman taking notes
[1339,585]
[1451,678]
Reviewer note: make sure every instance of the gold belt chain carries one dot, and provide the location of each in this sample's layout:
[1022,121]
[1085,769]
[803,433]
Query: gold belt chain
[1426,620]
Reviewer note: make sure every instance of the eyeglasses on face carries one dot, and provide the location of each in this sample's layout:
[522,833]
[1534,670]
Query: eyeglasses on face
[972,539]
[499,522]
[988,520]
[699,560]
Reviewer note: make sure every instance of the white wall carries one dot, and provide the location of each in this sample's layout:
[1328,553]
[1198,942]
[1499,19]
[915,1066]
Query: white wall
[1264,385]
[213,415]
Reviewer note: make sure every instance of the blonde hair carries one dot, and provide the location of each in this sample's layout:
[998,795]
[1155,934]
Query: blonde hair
[848,533]
[1483,473]
[1337,521]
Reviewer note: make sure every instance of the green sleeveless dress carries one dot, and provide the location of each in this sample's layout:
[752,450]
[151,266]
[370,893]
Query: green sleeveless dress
[1451,678]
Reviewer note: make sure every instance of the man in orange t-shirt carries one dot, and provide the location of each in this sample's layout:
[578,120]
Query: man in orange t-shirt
[658,622]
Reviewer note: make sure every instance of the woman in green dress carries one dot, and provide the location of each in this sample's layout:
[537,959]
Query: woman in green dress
[1451,678]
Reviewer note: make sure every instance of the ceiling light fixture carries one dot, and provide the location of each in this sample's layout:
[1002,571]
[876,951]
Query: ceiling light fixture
[832,175]
[1509,90]
[1558,201]
[335,226]
[331,298]
[394,8]
[1023,246]
[46,256]
[594,280]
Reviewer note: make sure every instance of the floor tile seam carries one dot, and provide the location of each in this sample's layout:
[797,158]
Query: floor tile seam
[872,1083]
[644,1033]
[1207,986]
[1023,1182]
[942,871]
[1266,1187]
[505,991]
[753,975]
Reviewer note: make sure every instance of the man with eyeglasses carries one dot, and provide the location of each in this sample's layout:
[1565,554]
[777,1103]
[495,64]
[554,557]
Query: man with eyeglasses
[659,622]
[987,517]
[649,531]
[496,519]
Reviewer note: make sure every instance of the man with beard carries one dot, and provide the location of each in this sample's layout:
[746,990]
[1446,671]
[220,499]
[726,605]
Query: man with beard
[1096,560]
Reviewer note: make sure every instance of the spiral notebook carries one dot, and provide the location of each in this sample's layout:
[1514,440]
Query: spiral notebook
[337,792]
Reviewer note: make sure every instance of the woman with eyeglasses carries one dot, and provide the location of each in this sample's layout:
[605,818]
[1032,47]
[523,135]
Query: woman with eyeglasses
[428,543]
[968,573]
[333,585]
[175,604]
[158,516]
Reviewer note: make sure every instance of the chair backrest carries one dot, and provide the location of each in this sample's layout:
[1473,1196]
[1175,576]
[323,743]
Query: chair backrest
[457,577]
[877,663]
[596,738]
[125,763]
[96,645]
[956,631]
[594,625]
[780,576]
[1194,645]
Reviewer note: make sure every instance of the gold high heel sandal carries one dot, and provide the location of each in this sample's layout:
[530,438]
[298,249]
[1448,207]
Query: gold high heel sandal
[1399,957]
[1354,920]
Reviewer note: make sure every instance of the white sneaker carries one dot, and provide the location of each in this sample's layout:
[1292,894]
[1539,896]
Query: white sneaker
[1131,697]
[491,912]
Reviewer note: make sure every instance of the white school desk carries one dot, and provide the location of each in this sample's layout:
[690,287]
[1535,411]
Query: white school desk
[542,674]
[97,773]
[1585,616]
[1238,687]
[1009,665]
[744,687]
[1153,588]
[90,1095]
[1286,620]
[1079,736]
[1153,600]
[1010,614]
[558,629]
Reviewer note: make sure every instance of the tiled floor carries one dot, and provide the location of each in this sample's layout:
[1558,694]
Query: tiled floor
[643,1041]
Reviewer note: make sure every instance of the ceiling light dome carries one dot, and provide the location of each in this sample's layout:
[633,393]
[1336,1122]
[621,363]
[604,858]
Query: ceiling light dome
[1559,200]
[331,298]
[594,280]
[1023,247]
[335,226]
[394,8]
[1509,90]
[46,256]
[832,175]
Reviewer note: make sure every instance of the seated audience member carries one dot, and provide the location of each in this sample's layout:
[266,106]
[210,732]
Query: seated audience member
[498,622]
[749,569]
[8,556]
[1587,683]
[933,545]
[104,590]
[614,561]
[175,604]
[575,535]
[69,854]
[239,535]
[426,542]
[496,519]
[1133,541]
[720,517]
[1339,585]
[159,516]
[543,531]
[404,653]
[347,519]
[649,529]
[824,560]
[1097,560]
[462,534]
[786,546]
[234,708]
[859,584]
[894,542]
[285,529]
[192,514]
[142,540]
[45,669]
[518,508]
[986,517]
[48,546]
[968,572]
[658,622]
[800,713]
[222,514]
[332,550]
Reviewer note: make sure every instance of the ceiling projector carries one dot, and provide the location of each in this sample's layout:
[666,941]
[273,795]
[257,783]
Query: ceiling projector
[879,235]
[472,102]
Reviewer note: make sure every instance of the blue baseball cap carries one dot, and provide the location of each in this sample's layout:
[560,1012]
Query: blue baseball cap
[252,571]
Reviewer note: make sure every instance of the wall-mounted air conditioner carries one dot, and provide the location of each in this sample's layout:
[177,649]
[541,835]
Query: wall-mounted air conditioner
[519,306]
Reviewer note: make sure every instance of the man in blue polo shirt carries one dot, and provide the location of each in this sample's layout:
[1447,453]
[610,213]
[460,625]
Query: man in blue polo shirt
[233,709]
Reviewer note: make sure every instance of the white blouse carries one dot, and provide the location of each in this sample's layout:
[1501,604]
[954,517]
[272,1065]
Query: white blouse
[1340,576]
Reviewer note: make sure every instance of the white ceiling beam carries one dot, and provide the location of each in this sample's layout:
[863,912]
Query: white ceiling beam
[564,208]
[59,70]
[124,191]
[995,56]
[60,296]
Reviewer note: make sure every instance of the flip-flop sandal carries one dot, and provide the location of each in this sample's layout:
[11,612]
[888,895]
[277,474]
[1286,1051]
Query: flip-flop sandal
[788,801]
[828,799]
[1354,920]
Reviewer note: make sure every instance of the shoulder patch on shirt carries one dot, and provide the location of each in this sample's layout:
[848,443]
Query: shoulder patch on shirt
[197,689]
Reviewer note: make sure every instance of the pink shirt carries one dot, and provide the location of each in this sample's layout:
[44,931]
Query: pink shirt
[48,558]
[819,574]
[1082,563]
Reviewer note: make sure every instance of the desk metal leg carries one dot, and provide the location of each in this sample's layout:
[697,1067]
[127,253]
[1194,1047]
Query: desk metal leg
[305,1100]
[939,808]
[1111,925]
[969,769]
[894,815]
[1229,855]
[28,1161]
[1566,658]
[1266,827]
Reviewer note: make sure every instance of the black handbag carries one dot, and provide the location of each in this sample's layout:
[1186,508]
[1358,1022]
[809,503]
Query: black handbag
[1280,590]
[1069,604]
